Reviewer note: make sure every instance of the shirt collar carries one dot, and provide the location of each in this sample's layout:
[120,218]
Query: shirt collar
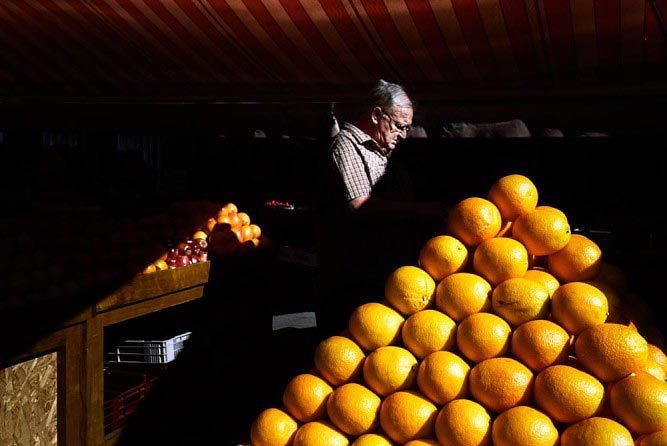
[365,139]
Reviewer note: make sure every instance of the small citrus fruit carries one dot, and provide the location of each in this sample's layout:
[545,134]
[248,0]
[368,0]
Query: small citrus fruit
[409,289]
[523,425]
[482,336]
[389,369]
[374,325]
[544,278]
[596,430]
[577,306]
[514,195]
[542,231]
[539,344]
[318,433]
[372,440]
[305,397]
[339,360]
[500,258]
[578,261]
[655,439]
[406,416]
[463,423]
[273,427]
[354,409]
[443,377]
[501,383]
[520,300]
[640,403]
[611,351]
[567,394]
[463,294]
[443,255]
[474,220]
[428,331]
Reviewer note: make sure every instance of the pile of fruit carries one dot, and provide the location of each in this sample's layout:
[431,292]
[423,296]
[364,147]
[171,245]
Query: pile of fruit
[509,332]
[225,233]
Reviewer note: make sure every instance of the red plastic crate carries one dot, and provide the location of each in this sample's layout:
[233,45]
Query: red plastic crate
[124,391]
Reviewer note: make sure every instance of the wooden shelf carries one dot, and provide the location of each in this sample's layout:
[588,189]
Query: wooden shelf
[79,345]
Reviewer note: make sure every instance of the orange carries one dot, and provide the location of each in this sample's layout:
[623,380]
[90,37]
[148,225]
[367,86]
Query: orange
[246,233]
[577,306]
[354,409]
[539,344]
[514,195]
[640,403]
[567,394]
[463,423]
[199,234]
[655,353]
[409,289]
[443,377]
[543,231]
[596,430]
[499,384]
[245,218]
[389,369]
[421,442]
[578,261]
[273,427]
[339,360]
[463,294]
[443,255]
[553,209]
[482,336]
[319,433]
[520,300]
[305,397]
[428,331]
[474,220]
[372,440]
[611,351]
[654,369]
[256,231]
[654,439]
[374,325]
[229,208]
[161,265]
[500,258]
[406,416]
[544,278]
[523,425]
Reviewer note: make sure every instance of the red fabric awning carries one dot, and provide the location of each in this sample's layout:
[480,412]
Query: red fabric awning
[116,47]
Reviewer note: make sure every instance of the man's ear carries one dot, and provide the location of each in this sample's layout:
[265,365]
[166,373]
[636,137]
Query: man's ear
[376,115]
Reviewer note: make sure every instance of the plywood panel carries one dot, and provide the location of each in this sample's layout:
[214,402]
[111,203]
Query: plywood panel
[28,409]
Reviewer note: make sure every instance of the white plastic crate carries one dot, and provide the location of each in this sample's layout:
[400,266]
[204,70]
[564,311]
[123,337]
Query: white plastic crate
[138,351]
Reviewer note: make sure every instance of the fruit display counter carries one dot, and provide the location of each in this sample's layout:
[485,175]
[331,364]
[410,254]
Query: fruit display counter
[78,344]
[509,329]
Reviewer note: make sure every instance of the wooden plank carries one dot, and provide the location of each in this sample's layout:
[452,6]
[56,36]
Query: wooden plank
[94,382]
[147,286]
[73,391]
[149,306]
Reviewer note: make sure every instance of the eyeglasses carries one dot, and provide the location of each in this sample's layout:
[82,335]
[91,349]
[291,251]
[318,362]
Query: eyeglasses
[401,128]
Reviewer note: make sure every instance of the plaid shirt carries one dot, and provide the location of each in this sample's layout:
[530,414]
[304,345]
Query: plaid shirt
[359,159]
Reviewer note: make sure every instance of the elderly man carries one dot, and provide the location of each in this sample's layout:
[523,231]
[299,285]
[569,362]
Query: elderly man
[370,223]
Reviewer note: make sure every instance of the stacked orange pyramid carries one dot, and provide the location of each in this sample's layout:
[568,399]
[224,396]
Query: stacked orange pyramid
[481,346]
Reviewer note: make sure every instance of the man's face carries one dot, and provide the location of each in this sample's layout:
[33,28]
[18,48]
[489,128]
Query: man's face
[392,125]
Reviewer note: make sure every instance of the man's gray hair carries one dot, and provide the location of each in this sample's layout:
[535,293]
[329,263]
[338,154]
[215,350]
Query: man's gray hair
[387,95]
